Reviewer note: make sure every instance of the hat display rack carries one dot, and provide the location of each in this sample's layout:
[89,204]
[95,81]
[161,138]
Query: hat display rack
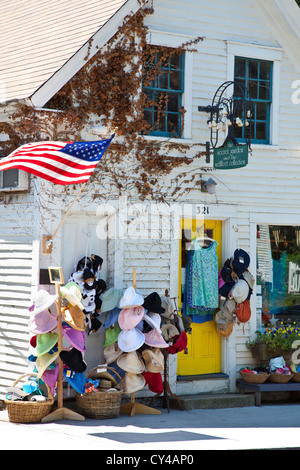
[134,407]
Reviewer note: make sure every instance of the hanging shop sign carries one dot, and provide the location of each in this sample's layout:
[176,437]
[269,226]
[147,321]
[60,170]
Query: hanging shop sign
[230,156]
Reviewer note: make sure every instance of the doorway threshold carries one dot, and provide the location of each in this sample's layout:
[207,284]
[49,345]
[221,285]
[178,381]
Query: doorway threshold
[186,378]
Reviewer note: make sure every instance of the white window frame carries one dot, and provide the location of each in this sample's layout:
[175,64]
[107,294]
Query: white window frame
[23,183]
[254,51]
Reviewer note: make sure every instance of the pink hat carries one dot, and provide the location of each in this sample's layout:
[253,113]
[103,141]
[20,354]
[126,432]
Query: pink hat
[130,317]
[50,378]
[43,322]
[154,338]
[75,337]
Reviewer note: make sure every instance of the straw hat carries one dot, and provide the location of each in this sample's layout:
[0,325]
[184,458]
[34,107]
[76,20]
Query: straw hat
[130,299]
[71,292]
[168,331]
[131,340]
[74,317]
[133,382]
[44,361]
[75,337]
[41,301]
[154,320]
[43,322]
[110,299]
[154,362]
[130,317]
[130,362]
[104,374]
[104,385]
[155,339]
[45,342]
[112,352]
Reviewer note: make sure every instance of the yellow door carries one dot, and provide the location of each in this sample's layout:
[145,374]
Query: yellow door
[203,353]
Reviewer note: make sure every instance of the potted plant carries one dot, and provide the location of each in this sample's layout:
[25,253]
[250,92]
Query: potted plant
[274,341]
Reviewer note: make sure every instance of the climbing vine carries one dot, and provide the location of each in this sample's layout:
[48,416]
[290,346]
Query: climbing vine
[107,93]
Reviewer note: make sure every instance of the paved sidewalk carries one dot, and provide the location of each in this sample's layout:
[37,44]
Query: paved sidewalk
[265,427]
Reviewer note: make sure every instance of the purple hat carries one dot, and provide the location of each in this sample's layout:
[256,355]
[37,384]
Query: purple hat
[75,337]
[50,378]
[43,322]
[154,338]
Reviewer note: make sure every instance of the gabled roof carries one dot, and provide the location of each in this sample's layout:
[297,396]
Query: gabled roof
[41,39]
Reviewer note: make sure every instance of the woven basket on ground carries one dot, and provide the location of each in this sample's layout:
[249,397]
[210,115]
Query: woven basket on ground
[28,411]
[259,378]
[295,377]
[100,404]
[279,378]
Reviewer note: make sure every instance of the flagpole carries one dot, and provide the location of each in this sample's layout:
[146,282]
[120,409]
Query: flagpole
[49,240]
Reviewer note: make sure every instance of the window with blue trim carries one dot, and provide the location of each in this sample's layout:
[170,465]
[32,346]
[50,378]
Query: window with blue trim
[256,75]
[163,82]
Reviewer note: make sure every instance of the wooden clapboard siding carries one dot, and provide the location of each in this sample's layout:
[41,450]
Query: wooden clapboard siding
[15,299]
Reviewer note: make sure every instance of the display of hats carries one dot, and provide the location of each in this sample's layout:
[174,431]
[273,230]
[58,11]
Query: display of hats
[75,337]
[75,379]
[130,362]
[73,360]
[152,303]
[112,352]
[240,261]
[45,342]
[131,340]
[112,317]
[74,317]
[133,382]
[130,299]
[50,378]
[240,291]
[72,293]
[154,320]
[168,331]
[43,322]
[155,339]
[111,335]
[130,317]
[41,301]
[43,362]
[153,360]
[110,299]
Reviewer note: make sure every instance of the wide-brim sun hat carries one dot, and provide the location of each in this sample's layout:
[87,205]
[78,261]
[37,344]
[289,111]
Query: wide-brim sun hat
[111,335]
[130,299]
[168,331]
[153,361]
[130,362]
[111,353]
[131,340]
[74,317]
[130,317]
[73,359]
[43,322]
[43,362]
[41,301]
[152,303]
[45,342]
[71,292]
[110,299]
[133,382]
[75,337]
[155,339]
[154,320]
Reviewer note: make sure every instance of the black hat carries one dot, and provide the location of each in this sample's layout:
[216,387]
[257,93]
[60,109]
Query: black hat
[240,262]
[73,360]
[152,303]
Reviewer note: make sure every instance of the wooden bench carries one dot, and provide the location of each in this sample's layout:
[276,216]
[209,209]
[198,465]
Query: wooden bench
[266,387]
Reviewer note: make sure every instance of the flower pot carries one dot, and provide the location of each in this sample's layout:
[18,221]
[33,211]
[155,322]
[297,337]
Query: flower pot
[263,354]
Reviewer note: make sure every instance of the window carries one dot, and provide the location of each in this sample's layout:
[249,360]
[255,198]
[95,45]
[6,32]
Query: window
[9,178]
[163,78]
[256,75]
[278,272]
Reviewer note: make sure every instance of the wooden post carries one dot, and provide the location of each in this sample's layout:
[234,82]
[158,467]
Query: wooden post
[60,412]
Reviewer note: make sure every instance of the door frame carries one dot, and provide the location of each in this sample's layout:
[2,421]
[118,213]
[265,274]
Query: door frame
[228,215]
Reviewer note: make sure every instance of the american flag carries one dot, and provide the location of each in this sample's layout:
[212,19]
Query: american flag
[59,162]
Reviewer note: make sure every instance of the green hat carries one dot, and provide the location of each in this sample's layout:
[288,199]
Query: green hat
[110,299]
[45,342]
[111,335]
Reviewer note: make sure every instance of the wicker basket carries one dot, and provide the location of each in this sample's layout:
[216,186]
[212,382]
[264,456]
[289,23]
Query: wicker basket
[259,378]
[279,378]
[295,377]
[28,411]
[99,405]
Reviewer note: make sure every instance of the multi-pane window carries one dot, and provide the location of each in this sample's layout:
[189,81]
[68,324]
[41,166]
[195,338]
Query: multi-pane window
[163,76]
[256,75]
